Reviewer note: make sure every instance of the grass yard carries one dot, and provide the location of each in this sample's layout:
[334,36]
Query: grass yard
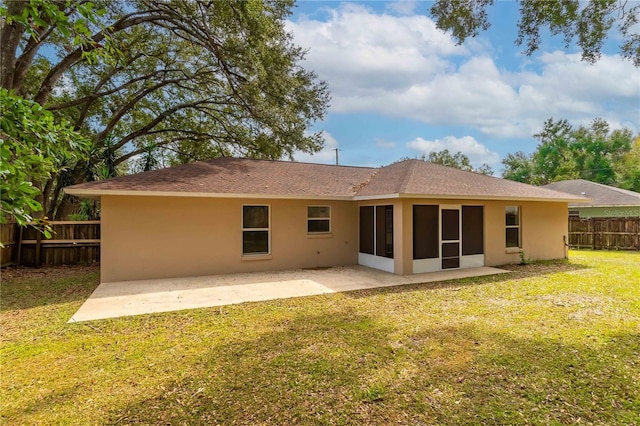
[550,343]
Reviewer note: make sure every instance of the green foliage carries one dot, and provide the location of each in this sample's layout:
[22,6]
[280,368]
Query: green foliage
[518,167]
[149,159]
[458,161]
[77,217]
[589,23]
[594,153]
[464,18]
[35,15]
[33,146]
[627,170]
[523,258]
[553,159]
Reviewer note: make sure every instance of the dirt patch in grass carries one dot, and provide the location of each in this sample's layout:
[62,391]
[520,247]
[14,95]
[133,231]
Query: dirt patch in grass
[12,273]
[28,287]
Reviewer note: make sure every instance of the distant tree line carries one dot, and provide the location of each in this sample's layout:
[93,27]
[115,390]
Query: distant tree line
[457,161]
[594,153]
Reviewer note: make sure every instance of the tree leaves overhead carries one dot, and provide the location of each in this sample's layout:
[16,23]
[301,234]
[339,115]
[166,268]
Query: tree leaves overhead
[588,23]
[195,79]
[464,18]
[595,153]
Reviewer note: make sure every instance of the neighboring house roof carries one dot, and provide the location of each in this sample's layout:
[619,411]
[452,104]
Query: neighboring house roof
[236,177]
[601,195]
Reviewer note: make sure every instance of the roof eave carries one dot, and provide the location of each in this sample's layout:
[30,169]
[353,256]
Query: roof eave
[470,197]
[96,194]
[606,205]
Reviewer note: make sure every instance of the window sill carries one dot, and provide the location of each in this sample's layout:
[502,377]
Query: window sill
[250,257]
[511,250]
[320,235]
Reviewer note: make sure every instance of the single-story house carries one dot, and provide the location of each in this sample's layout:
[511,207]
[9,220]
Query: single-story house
[240,215]
[606,201]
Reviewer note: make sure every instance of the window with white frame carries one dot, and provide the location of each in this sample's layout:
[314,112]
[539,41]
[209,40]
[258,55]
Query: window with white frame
[318,219]
[512,223]
[255,230]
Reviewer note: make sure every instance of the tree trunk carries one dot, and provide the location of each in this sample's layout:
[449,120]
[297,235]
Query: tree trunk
[10,36]
[56,204]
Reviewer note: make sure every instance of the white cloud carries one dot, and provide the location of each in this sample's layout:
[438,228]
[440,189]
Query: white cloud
[325,156]
[403,66]
[477,152]
[359,52]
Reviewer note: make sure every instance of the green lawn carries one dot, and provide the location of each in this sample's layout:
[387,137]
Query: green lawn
[550,343]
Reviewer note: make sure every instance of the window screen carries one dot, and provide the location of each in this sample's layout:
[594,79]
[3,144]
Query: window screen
[366,229]
[255,229]
[376,230]
[512,224]
[318,219]
[472,230]
[425,232]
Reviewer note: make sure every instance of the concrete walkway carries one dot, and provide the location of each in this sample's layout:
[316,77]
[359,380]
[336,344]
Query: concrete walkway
[125,298]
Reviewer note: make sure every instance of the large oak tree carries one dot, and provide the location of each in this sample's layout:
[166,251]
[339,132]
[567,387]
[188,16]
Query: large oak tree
[196,78]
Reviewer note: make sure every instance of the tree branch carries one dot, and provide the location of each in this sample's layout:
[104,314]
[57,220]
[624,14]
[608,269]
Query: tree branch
[129,105]
[76,56]
[31,49]
[143,130]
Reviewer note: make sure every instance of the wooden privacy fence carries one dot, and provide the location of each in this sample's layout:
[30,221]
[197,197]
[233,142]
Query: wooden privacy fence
[72,242]
[609,233]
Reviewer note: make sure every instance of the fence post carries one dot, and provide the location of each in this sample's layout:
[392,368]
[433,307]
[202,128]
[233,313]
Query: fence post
[38,261]
[19,243]
[593,232]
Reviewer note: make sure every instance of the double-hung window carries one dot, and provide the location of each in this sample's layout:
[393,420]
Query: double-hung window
[255,230]
[318,219]
[512,223]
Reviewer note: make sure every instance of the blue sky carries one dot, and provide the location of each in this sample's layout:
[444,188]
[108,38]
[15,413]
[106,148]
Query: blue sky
[401,88]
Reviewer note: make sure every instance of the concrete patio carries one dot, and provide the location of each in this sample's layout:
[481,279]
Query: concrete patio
[126,298]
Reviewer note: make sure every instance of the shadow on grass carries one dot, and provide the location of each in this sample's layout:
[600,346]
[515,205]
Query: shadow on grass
[43,403]
[356,369]
[25,288]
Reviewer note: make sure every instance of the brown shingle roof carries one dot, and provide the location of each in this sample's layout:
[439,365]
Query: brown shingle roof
[414,177]
[227,176]
[601,195]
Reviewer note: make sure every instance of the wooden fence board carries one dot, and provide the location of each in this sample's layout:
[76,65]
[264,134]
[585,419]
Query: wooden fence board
[608,233]
[72,242]
[8,236]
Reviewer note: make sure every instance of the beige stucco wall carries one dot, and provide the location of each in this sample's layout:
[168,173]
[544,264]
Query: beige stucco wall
[162,237]
[543,226]
[158,237]
[542,229]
